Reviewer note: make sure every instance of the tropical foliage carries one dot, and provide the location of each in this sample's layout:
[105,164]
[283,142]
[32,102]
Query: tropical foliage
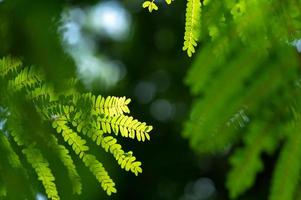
[74,116]
[248,102]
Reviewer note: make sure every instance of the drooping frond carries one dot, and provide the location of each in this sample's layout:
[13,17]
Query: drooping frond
[95,131]
[71,137]
[16,132]
[217,124]
[6,150]
[126,160]
[192,22]
[9,64]
[243,79]
[41,167]
[28,77]
[74,116]
[118,123]
[41,92]
[7,155]
[67,161]
[79,147]
[210,115]
[100,173]
[246,162]
[288,168]
[192,26]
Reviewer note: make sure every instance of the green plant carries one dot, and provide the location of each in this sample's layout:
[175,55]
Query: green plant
[192,22]
[245,77]
[26,98]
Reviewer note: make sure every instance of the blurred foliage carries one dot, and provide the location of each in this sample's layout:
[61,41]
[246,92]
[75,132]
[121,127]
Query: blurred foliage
[245,78]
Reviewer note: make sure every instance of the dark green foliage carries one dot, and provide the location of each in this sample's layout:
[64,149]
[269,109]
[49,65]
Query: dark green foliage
[287,171]
[30,105]
[244,78]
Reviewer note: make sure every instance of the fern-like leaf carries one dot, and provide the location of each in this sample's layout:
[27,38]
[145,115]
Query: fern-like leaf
[71,114]
[112,106]
[28,77]
[67,161]
[41,167]
[100,105]
[79,147]
[72,138]
[126,160]
[247,161]
[287,172]
[16,132]
[100,173]
[7,150]
[127,126]
[192,26]
[9,64]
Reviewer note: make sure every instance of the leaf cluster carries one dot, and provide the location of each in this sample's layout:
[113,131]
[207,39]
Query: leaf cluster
[75,118]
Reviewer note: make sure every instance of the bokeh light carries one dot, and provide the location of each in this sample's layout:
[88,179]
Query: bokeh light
[82,29]
[145,91]
[40,196]
[162,110]
[109,19]
[202,189]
